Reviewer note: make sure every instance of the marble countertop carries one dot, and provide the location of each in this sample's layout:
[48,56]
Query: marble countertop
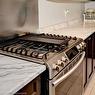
[16,73]
[79,30]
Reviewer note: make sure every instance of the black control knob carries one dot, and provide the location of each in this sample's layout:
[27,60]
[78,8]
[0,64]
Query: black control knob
[60,63]
[29,52]
[5,48]
[69,37]
[64,59]
[9,49]
[62,36]
[58,35]
[54,35]
[18,51]
[24,52]
[75,38]
[47,34]
[51,35]
[66,37]
[55,67]
[40,55]
[43,34]
[34,54]
[13,50]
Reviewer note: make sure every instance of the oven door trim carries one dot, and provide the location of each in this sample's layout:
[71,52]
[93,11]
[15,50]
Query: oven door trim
[58,81]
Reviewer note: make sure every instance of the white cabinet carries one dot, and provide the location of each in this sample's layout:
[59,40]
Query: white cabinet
[89,15]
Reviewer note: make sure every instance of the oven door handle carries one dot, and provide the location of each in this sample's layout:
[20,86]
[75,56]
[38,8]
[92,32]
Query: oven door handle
[58,81]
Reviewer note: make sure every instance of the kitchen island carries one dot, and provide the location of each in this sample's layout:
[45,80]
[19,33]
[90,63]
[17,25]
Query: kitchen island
[16,73]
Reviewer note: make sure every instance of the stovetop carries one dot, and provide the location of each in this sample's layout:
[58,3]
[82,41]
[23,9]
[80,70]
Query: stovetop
[36,47]
[54,51]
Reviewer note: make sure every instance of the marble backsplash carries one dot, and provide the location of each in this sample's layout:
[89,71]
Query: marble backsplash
[59,26]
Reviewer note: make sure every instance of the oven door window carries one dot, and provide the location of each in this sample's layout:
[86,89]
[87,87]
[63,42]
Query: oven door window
[73,85]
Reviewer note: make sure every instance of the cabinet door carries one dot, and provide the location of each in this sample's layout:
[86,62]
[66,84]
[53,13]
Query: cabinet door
[33,88]
[89,56]
[94,51]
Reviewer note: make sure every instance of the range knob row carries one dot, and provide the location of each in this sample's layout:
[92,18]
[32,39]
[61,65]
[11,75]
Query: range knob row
[60,63]
[23,51]
[55,67]
[81,46]
[15,50]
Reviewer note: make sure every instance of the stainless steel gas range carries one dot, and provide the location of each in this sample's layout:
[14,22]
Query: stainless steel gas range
[62,55]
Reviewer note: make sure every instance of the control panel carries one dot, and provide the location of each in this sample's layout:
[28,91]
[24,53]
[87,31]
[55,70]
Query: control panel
[62,60]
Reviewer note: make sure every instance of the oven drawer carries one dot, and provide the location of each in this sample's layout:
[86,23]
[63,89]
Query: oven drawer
[71,83]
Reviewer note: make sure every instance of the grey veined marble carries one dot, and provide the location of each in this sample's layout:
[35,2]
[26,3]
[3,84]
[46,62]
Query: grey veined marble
[16,73]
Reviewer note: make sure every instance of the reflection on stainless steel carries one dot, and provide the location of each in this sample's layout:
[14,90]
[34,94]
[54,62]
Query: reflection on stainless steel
[18,13]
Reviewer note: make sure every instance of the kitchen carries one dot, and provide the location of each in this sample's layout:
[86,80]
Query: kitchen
[26,77]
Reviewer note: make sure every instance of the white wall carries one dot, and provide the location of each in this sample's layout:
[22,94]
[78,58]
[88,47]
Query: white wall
[51,13]
[22,14]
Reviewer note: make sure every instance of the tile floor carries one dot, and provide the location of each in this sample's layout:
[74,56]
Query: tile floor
[90,90]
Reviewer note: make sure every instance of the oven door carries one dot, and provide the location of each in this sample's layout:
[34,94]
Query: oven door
[70,83]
